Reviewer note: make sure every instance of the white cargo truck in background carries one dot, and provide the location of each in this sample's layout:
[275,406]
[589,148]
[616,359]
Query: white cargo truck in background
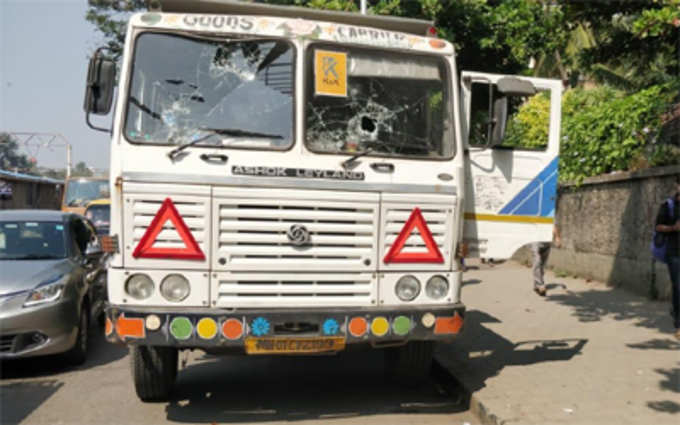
[296,181]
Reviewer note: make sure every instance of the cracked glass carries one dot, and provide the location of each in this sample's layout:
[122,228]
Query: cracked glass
[394,104]
[218,92]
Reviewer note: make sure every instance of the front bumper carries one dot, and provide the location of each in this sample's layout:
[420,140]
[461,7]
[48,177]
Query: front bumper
[215,328]
[37,331]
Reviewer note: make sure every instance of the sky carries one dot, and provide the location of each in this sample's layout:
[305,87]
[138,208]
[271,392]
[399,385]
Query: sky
[44,51]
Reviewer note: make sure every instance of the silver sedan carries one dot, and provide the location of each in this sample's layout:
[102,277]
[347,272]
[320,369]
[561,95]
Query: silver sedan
[52,283]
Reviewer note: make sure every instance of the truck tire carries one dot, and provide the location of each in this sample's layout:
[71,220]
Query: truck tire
[409,364]
[154,370]
[78,354]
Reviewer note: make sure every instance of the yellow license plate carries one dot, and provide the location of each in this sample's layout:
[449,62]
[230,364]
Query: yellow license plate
[294,345]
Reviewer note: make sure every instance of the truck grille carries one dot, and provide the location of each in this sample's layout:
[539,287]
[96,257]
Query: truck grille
[294,289]
[252,235]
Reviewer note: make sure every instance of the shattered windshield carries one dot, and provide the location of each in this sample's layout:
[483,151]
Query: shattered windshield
[211,91]
[383,103]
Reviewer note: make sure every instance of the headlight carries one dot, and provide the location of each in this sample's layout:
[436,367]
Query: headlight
[437,287]
[175,288]
[45,293]
[139,286]
[407,288]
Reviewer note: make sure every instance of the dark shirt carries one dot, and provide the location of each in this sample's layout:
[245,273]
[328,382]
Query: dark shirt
[664,217]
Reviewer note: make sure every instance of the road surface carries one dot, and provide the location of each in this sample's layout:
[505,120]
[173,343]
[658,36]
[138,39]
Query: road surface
[346,389]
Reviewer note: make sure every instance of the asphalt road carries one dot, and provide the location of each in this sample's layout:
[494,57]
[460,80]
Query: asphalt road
[345,389]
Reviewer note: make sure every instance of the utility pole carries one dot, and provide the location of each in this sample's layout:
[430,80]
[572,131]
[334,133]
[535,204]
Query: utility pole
[363,7]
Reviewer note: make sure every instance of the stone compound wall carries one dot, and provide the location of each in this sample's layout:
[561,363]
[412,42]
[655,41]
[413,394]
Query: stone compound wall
[606,226]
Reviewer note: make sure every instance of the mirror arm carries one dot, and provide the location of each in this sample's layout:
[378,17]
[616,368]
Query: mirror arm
[92,126]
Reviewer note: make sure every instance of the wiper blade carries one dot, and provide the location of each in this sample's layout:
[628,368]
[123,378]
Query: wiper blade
[241,133]
[349,161]
[222,132]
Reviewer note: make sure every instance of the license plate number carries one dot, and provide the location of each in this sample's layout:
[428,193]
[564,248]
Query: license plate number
[294,345]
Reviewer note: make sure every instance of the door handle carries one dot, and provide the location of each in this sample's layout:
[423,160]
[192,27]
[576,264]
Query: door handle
[382,167]
[214,157]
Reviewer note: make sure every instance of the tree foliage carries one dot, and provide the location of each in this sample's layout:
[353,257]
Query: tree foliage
[10,157]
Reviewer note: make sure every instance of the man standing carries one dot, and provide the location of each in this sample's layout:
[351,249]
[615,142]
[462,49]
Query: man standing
[668,222]
[541,252]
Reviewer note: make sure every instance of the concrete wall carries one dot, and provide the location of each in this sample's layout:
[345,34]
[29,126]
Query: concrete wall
[606,226]
[32,195]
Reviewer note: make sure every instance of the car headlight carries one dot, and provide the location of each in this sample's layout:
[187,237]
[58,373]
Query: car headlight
[407,288]
[175,288]
[437,287]
[139,286]
[46,293]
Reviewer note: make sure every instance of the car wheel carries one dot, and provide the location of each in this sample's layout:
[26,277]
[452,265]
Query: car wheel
[78,353]
[154,370]
[410,364]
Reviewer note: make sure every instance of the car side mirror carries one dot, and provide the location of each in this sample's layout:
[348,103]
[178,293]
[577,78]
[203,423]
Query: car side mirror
[101,77]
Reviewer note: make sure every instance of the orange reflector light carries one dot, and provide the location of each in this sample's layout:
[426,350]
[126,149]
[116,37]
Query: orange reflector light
[108,329]
[130,327]
[232,329]
[380,326]
[206,328]
[358,327]
[109,244]
[448,325]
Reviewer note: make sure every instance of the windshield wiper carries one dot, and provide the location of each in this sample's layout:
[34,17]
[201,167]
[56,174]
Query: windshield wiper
[241,133]
[222,132]
[349,161]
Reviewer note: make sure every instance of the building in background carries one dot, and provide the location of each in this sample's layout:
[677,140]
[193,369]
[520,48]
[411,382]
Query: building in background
[18,190]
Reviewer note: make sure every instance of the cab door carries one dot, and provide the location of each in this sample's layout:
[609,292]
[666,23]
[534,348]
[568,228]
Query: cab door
[512,129]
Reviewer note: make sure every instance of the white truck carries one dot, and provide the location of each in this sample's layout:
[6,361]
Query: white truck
[295,181]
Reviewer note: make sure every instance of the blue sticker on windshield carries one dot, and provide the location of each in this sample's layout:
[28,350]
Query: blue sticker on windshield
[59,227]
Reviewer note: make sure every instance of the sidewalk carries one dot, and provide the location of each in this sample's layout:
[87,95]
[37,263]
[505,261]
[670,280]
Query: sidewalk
[585,354]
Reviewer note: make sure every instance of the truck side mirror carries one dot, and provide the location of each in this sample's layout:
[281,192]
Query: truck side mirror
[500,118]
[101,76]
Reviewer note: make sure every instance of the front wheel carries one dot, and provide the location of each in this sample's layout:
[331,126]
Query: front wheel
[154,370]
[410,364]
[78,354]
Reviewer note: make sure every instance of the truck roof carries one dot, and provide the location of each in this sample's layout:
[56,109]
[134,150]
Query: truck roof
[388,23]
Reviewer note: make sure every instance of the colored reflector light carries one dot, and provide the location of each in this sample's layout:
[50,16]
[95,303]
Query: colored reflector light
[153,322]
[206,328]
[380,326]
[401,325]
[130,327]
[181,328]
[358,327]
[428,320]
[448,325]
[330,327]
[260,326]
[232,329]
[108,330]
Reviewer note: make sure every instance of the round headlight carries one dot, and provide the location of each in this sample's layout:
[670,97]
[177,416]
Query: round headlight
[139,286]
[175,288]
[408,288]
[437,287]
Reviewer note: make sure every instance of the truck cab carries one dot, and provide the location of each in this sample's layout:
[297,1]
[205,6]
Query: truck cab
[293,181]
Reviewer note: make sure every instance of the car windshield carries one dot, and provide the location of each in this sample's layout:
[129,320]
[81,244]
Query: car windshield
[99,215]
[80,192]
[382,103]
[211,91]
[32,240]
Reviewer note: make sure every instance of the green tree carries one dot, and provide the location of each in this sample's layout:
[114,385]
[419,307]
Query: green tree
[81,170]
[10,157]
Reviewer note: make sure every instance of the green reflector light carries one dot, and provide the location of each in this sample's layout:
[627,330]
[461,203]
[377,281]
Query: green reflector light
[180,328]
[401,325]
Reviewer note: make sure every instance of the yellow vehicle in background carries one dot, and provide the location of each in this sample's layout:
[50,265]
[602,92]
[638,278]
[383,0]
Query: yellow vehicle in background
[99,213]
[80,191]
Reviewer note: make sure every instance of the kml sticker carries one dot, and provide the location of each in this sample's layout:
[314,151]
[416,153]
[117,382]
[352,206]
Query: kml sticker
[330,73]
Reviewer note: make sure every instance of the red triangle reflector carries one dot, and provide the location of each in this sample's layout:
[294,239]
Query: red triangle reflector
[433,255]
[145,249]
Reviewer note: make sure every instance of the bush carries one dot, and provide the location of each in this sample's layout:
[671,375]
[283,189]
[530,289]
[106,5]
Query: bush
[603,130]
